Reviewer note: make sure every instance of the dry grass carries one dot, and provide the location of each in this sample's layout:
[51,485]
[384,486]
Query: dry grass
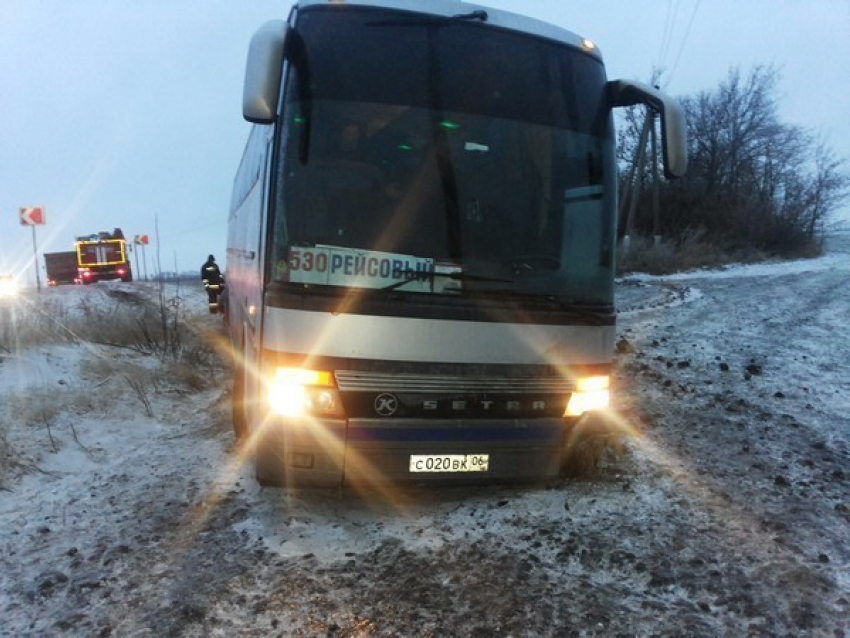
[116,318]
[36,407]
[24,323]
[689,252]
[37,410]
[135,348]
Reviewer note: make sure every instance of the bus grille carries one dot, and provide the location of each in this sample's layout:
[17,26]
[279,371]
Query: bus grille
[355,381]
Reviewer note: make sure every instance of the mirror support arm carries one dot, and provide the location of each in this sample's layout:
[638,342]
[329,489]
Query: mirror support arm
[673,125]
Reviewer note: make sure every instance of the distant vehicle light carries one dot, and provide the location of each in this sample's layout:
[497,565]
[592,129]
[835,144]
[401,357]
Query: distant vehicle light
[8,286]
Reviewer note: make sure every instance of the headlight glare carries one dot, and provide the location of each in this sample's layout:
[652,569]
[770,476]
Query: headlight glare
[296,392]
[591,393]
[8,287]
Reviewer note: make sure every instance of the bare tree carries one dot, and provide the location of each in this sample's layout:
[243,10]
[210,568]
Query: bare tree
[829,187]
[753,182]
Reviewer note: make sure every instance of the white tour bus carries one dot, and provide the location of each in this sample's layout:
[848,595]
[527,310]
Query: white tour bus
[420,256]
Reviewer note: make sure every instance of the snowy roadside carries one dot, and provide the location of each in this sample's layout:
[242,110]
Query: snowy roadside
[729,514]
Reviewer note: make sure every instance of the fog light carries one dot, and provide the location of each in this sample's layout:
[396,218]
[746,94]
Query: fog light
[591,393]
[324,402]
[299,459]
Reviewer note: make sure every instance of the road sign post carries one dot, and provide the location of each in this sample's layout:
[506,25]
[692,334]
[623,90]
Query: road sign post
[135,250]
[33,216]
[142,240]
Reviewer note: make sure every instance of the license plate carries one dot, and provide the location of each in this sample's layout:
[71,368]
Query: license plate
[449,462]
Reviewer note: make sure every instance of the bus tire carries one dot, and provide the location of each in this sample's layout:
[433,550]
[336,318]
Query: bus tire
[589,442]
[237,402]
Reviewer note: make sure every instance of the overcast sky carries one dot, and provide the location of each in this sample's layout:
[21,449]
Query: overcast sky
[125,114]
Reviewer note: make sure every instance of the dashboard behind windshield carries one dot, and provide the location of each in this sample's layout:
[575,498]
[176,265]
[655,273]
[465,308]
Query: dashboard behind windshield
[442,158]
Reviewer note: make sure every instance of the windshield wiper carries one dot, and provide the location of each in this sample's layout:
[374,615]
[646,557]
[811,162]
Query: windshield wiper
[526,264]
[431,21]
[431,275]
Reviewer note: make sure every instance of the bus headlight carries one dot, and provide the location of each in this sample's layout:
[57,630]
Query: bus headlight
[295,392]
[591,393]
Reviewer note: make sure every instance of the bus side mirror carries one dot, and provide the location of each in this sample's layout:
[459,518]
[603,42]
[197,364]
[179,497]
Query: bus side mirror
[674,132]
[263,72]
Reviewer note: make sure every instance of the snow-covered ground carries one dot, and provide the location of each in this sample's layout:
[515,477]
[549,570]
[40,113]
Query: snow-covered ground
[124,510]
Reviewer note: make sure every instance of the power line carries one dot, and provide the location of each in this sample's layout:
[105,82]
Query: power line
[684,42]
[667,34]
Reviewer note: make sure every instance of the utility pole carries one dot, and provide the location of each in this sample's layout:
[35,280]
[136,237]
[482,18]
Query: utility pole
[145,261]
[656,213]
[640,160]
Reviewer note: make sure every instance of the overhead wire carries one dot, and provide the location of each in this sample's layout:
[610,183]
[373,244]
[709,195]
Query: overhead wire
[683,43]
[667,33]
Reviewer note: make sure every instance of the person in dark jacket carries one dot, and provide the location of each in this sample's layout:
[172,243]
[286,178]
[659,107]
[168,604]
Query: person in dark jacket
[213,282]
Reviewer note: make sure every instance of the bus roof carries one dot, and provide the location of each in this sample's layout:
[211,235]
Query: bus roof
[495,17]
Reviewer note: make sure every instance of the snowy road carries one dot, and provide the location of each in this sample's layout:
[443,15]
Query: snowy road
[728,515]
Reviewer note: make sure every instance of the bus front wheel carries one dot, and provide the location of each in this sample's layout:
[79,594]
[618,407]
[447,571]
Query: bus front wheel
[589,443]
[237,403]
[269,467]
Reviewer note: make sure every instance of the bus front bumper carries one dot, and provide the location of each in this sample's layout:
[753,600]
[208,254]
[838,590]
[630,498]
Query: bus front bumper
[375,451]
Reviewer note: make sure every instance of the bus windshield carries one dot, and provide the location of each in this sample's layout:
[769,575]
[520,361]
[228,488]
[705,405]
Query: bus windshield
[441,157]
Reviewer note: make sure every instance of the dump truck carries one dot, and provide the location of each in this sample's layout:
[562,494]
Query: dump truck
[61,268]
